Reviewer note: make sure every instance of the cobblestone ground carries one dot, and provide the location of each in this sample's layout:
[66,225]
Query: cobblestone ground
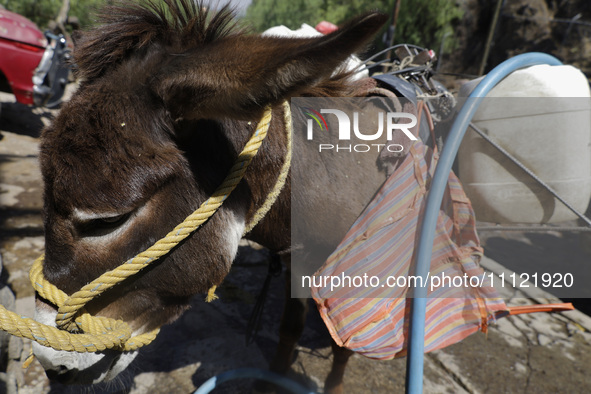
[539,353]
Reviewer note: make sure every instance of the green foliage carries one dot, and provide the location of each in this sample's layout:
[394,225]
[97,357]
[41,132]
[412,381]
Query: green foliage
[85,10]
[262,14]
[39,11]
[420,22]
[43,11]
[426,22]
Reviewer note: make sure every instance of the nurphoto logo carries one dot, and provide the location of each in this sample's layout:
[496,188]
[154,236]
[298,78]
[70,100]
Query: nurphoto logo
[390,122]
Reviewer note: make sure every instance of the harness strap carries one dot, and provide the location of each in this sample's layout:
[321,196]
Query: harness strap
[254,322]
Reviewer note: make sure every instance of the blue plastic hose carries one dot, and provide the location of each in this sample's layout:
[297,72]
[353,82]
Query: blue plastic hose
[252,373]
[414,362]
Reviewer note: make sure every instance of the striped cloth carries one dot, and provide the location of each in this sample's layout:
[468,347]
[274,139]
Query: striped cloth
[369,311]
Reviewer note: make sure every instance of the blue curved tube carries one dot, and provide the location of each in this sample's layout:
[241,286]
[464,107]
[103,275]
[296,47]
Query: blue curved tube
[252,373]
[416,345]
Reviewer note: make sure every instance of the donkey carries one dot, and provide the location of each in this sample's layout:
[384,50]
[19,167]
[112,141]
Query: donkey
[169,95]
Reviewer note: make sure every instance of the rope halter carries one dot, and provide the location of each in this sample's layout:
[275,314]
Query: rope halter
[81,332]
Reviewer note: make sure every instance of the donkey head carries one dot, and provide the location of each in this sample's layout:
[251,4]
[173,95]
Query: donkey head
[168,97]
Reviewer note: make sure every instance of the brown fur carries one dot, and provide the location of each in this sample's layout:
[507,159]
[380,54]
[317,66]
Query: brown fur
[158,120]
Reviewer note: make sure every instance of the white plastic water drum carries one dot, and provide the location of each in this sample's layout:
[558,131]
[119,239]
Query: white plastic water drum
[542,116]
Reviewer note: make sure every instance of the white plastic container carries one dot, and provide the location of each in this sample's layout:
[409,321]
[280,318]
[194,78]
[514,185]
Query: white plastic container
[542,116]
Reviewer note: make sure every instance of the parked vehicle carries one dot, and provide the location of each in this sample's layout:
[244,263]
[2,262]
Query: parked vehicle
[32,63]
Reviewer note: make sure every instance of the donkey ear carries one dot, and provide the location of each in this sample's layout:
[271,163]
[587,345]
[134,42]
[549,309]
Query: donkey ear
[238,76]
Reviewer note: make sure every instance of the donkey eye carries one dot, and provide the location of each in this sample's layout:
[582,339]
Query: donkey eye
[101,225]
[113,220]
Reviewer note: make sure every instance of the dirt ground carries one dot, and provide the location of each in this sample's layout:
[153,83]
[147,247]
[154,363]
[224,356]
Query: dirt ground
[539,353]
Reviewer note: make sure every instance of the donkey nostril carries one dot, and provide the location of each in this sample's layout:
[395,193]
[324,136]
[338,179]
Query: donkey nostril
[62,374]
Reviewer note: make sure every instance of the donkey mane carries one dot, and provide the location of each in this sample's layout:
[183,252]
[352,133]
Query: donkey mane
[127,27]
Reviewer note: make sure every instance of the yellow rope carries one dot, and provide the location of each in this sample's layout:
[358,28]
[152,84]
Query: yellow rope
[280,182]
[79,331]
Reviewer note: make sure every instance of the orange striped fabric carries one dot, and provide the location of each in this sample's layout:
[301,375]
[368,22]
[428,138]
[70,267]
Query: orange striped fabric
[368,311]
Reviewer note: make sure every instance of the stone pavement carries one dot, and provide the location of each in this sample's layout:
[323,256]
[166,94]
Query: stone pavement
[541,353]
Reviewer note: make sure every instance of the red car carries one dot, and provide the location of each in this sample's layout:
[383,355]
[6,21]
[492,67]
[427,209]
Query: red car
[32,64]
